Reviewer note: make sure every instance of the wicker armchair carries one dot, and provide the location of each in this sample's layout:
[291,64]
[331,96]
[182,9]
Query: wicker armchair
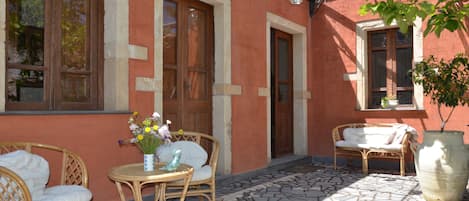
[73,171]
[205,187]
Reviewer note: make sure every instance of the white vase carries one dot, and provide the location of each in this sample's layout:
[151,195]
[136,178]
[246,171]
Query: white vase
[393,103]
[441,163]
[148,162]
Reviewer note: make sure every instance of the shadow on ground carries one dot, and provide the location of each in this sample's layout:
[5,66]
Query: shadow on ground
[321,182]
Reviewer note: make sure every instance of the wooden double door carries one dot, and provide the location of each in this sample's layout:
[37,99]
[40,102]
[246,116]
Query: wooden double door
[282,93]
[188,64]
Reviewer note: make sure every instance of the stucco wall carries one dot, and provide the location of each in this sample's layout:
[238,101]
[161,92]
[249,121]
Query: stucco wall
[334,53]
[141,26]
[249,127]
[93,137]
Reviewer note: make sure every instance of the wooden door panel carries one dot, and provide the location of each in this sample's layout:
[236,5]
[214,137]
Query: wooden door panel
[197,121]
[187,81]
[282,98]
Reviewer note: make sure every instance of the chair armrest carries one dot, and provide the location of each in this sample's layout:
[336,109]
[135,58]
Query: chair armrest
[405,142]
[13,187]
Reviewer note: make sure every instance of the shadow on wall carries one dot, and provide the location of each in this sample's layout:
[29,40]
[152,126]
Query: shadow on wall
[334,100]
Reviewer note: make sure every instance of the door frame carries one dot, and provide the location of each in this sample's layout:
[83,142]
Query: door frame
[300,92]
[222,87]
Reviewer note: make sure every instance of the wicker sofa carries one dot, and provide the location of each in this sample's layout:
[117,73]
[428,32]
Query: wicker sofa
[20,180]
[372,140]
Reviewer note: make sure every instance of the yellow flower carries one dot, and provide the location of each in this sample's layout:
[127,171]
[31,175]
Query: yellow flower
[147,129]
[180,131]
[155,127]
[140,137]
[135,113]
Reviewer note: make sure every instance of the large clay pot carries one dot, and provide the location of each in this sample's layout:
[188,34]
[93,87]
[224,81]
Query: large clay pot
[441,162]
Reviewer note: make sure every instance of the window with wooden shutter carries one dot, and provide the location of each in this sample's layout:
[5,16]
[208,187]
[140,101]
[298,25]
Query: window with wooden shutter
[389,61]
[54,55]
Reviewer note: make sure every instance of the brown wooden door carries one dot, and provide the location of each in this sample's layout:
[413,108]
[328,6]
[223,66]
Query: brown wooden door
[188,64]
[282,93]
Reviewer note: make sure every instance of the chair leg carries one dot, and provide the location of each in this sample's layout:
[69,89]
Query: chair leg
[213,191]
[402,161]
[335,161]
[365,162]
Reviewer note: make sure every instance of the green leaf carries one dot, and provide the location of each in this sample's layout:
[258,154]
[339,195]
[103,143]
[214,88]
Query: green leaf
[427,7]
[452,25]
[403,27]
[363,10]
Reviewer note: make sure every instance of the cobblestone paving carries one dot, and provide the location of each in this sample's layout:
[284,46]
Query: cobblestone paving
[319,182]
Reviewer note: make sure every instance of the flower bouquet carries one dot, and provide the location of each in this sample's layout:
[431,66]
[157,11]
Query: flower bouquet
[148,135]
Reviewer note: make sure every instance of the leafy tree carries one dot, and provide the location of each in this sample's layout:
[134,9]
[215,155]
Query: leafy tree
[444,14]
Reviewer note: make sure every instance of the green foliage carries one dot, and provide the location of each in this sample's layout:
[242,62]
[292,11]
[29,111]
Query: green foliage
[447,82]
[149,143]
[444,14]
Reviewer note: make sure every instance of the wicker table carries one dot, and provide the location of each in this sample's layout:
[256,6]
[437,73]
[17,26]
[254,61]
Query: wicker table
[134,176]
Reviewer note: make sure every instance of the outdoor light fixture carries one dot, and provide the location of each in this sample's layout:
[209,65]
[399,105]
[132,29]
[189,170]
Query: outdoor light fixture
[296,2]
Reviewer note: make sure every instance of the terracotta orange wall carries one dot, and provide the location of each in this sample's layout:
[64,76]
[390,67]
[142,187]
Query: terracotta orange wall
[141,33]
[333,99]
[93,137]
[249,120]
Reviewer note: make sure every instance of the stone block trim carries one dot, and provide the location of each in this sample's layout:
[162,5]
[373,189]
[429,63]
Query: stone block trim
[148,84]
[226,90]
[138,52]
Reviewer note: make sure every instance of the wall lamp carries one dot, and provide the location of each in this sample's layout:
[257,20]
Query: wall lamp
[297,2]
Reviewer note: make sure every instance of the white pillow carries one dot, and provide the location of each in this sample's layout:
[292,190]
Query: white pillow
[191,153]
[66,193]
[32,168]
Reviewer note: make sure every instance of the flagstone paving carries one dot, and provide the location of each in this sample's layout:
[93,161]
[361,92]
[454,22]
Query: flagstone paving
[316,181]
[304,180]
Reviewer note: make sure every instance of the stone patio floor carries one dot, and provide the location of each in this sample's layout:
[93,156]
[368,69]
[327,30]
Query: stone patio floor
[313,181]
[303,180]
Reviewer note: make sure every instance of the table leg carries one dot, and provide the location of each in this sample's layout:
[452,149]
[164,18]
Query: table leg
[160,192]
[137,191]
[119,190]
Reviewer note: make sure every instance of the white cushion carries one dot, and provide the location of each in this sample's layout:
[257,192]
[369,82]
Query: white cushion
[369,135]
[342,143]
[390,147]
[65,193]
[191,153]
[32,168]
[401,130]
[202,173]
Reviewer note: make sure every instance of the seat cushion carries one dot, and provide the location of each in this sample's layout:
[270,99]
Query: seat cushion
[202,173]
[65,193]
[348,144]
[370,135]
[191,153]
[390,147]
[32,168]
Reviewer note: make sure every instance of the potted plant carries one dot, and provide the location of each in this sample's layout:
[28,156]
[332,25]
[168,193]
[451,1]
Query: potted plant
[389,102]
[441,160]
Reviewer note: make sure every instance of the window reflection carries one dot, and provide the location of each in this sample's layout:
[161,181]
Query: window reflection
[25,44]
